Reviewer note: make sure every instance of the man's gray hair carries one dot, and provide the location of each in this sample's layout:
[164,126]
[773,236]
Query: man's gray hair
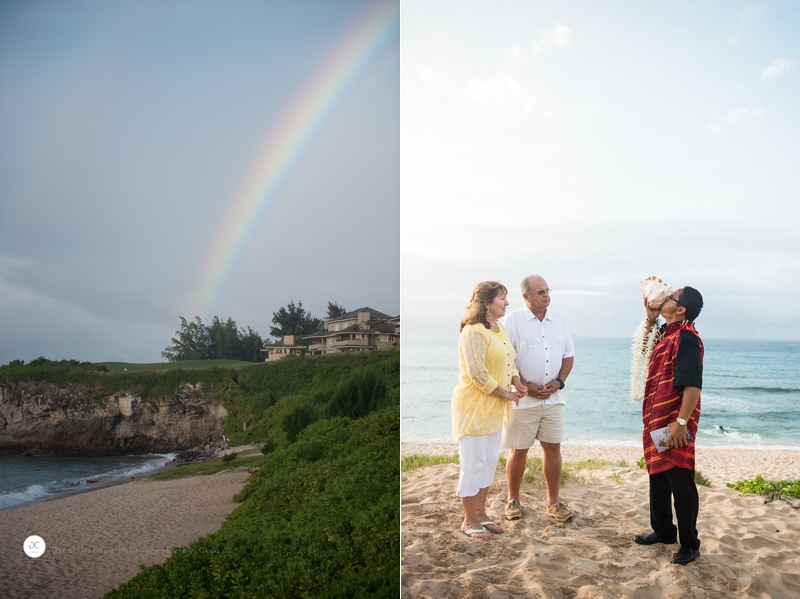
[526,283]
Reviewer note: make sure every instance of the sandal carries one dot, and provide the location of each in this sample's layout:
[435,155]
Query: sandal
[473,533]
[492,527]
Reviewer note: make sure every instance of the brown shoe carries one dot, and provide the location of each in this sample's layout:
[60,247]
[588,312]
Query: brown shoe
[513,510]
[560,512]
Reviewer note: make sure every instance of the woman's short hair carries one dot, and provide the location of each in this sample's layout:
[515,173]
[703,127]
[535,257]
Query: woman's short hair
[484,293]
[692,301]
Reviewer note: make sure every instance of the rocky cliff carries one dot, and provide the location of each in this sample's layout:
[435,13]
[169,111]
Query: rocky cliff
[41,418]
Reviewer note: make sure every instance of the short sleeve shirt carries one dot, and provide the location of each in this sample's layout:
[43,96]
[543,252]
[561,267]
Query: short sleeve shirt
[540,348]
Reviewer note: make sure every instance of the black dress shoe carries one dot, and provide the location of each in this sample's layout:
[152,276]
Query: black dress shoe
[651,539]
[685,555]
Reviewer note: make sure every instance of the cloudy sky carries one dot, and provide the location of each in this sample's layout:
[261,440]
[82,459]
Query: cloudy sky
[180,158]
[598,143]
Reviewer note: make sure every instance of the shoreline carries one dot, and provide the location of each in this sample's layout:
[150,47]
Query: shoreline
[98,537]
[120,480]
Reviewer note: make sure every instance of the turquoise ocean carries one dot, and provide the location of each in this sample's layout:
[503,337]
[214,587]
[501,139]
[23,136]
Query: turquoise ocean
[751,389]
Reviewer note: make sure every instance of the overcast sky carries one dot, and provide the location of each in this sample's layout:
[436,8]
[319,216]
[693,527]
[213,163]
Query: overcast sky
[130,134]
[598,143]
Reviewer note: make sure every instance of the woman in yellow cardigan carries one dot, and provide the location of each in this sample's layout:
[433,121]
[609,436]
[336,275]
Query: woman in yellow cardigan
[487,381]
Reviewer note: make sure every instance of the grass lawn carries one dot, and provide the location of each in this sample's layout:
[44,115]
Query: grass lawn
[186,365]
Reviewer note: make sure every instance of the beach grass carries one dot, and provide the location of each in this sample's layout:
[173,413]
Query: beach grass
[212,466]
[414,462]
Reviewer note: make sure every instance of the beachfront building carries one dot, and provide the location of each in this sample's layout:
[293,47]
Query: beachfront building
[364,329]
[280,349]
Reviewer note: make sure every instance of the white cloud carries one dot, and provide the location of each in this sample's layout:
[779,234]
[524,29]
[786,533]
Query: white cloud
[778,67]
[553,40]
[503,91]
[740,115]
[735,116]
[513,56]
[431,81]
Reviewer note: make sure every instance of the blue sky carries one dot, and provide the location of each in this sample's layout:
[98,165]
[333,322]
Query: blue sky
[597,144]
[128,128]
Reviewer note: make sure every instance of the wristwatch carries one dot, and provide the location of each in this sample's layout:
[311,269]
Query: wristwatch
[681,421]
[561,383]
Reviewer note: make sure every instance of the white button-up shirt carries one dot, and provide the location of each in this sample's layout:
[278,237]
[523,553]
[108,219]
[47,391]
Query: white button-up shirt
[541,346]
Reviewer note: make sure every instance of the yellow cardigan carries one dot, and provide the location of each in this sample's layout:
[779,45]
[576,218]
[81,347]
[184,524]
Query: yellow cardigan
[484,363]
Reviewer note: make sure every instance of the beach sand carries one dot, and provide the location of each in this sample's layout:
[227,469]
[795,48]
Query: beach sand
[749,549]
[97,540]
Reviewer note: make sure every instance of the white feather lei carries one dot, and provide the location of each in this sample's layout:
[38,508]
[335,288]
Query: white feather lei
[644,339]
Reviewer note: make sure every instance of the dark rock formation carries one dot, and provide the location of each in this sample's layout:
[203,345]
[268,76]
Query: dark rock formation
[41,419]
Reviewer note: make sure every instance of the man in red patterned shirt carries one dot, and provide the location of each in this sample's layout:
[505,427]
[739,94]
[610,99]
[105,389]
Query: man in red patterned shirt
[672,400]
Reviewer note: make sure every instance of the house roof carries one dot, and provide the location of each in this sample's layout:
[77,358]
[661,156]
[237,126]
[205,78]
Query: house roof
[373,315]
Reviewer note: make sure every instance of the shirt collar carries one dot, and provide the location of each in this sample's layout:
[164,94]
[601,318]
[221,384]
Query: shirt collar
[530,316]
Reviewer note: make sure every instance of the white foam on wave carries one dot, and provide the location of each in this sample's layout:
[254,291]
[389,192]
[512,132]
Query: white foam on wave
[15,498]
[12,498]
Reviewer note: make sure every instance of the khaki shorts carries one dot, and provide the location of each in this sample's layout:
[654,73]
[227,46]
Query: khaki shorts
[545,422]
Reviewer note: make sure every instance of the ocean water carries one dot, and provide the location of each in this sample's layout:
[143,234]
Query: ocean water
[26,479]
[750,388]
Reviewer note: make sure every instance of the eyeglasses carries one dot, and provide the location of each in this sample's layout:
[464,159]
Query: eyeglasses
[544,292]
[676,301]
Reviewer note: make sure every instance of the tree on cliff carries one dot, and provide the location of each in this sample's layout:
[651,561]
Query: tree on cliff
[294,320]
[191,342]
[223,340]
[335,310]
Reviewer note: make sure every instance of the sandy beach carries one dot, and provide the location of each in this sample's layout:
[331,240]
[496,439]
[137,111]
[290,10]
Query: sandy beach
[749,549]
[96,540]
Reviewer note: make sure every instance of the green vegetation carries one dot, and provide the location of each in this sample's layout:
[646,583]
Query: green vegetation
[760,486]
[222,340]
[701,480]
[412,463]
[207,467]
[159,366]
[320,517]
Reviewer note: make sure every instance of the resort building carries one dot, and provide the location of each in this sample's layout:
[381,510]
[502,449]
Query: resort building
[281,349]
[364,329]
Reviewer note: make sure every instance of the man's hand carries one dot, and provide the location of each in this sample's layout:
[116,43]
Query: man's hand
[677,436]
[652,313]
[553,386]
[542,391]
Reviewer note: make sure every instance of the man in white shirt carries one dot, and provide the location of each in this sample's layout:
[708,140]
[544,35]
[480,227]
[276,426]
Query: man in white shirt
[545,354]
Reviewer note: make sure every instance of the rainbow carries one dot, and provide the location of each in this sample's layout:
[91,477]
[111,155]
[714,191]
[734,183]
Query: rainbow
[259,200]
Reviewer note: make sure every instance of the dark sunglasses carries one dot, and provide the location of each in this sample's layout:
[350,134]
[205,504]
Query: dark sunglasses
[676,301]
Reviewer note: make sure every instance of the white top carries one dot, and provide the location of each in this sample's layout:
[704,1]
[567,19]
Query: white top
[540,347]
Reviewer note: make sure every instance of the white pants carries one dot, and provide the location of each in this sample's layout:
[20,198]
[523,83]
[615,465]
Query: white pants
[478,457]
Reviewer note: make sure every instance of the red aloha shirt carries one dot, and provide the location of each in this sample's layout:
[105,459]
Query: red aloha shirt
[662,401]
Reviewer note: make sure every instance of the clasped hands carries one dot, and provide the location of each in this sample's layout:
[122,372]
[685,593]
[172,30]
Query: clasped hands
[521,390]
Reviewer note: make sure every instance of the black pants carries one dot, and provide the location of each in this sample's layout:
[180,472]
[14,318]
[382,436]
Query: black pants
[677,483]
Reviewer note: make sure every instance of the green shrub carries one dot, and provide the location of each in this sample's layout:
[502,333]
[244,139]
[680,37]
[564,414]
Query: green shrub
[760,486]
[328,528]
[358,395]
[229,457]
[299,418]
